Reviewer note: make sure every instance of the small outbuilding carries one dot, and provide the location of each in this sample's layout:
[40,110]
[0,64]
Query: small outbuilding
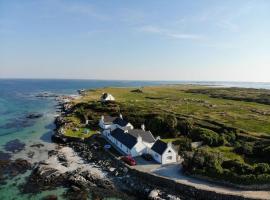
[106,97]
[163,153]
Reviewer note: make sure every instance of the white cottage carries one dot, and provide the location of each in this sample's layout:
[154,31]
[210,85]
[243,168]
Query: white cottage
[108,123]
[163,152]
[105,97]
[127,143]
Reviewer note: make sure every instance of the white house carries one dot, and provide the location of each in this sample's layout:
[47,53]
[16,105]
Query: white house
[163,152]
[127,143]
[147,138]
[136,142]
[108,123]
[105,97]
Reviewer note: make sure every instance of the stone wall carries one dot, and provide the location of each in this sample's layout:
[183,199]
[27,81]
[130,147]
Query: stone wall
[180,188]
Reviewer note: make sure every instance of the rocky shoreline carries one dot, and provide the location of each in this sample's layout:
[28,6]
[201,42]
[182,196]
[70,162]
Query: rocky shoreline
[112,178]
[116,182]
[83,167]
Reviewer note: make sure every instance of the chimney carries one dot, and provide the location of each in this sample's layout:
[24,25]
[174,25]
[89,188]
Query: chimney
[120,115]
[139,139]
[158,138]
[102,118]
[143,127]
[169,144]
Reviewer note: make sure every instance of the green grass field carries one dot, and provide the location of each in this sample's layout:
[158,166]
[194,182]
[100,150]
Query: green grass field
[79,133]
[251,117]
[234,128]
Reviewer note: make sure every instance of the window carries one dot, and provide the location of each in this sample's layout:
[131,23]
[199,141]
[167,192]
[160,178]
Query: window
[169,151]
[169,158]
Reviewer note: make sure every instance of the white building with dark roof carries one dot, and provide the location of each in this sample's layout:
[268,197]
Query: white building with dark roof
[163,152]
[106,97]
[127,143]
[136,142]
[108,123]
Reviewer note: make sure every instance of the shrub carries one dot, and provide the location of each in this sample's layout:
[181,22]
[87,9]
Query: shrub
[209,137]
[184,145]
[230,137]
[185,126]
[238,167]
[162,124]
[245,148]
[262,168]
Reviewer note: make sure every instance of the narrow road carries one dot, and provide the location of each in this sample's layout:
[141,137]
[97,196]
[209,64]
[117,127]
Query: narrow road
[174,172]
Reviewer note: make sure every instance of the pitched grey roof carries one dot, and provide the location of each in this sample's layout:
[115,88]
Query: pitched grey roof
[125,138]
[146,135]
[159,147]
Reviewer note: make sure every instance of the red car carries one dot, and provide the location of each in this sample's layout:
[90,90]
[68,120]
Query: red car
[129,160]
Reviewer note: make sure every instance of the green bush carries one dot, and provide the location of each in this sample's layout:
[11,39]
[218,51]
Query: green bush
[238,167]
[245,148]
[164,125]
[185,126]
[262,168]
[184,144]
[230,137]
[207,162]
[209,137]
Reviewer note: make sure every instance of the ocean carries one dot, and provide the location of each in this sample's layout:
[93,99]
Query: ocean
[18,99]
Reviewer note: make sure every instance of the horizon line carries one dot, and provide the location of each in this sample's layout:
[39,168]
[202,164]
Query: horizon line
[142,80]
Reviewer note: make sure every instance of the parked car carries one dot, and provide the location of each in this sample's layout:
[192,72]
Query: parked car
[147,156]
[129,160]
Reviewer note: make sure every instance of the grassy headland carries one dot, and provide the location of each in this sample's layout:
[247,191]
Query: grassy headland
[234,125]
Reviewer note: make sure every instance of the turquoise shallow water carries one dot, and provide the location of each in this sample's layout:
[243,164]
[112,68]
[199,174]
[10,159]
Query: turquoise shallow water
[18,98]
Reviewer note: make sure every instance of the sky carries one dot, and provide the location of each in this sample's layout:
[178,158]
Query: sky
[199,40]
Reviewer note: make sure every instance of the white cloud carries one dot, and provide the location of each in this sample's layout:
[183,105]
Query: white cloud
[168,33]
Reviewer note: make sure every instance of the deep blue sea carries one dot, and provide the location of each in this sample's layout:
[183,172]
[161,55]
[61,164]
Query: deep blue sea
[18,99]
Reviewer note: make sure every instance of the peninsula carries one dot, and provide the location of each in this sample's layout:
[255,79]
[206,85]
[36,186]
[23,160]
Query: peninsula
[220,136]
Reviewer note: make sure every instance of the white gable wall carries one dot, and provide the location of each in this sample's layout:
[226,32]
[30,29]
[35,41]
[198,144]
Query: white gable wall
[169,156]
[106,126]
[138,149]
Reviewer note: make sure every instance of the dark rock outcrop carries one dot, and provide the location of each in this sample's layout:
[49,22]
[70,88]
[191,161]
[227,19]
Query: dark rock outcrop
[34,115]
[14,146]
